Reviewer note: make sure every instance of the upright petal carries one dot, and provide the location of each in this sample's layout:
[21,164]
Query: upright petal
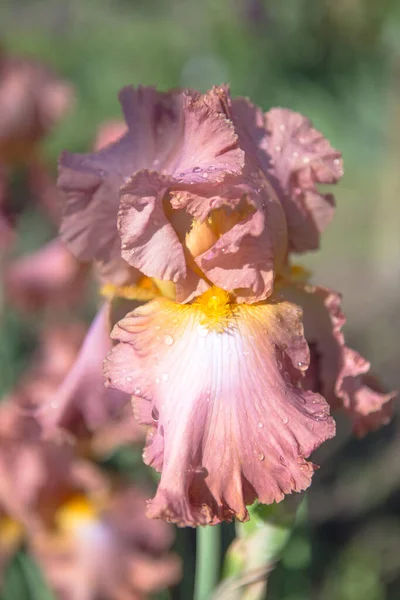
[298,158]
[91,182]
[295,157]
[220,386]
[149,242]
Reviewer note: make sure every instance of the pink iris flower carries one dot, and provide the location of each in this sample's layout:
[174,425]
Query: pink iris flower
[207,196]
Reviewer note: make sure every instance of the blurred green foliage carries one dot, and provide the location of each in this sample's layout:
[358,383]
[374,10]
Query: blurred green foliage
[338,63]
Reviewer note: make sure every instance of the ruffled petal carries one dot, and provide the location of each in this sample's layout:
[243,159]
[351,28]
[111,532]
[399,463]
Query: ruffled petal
[149,242]
[91,182]
[295,157]
[245,256]
[298,158]
[338,372]
[219,384]
[208,150]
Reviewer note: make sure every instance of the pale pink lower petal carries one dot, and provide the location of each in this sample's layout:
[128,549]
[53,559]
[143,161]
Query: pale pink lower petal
[230,420]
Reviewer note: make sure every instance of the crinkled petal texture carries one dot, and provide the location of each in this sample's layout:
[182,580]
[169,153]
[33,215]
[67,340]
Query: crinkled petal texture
[337,371]
[232,235]
[295,157]
[91,182]
[220,387]
[301,158]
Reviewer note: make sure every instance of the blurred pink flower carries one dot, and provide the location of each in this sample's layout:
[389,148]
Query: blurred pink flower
[32,100]
[50,277]
[88,540]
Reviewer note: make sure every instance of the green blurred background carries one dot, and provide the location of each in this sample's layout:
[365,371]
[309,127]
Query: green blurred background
[339,64]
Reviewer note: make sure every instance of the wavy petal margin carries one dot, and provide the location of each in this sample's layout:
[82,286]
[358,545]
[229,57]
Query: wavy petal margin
[339,373]
[295,157]
[220,386]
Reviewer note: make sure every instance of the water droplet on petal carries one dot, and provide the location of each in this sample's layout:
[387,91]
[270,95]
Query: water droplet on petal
[197,170]
[306,160]
[302,365]
[211,168]
[137,391]
[260,425]
[285,420]
[261,456]
[336,161]
[205,175]
[168,340]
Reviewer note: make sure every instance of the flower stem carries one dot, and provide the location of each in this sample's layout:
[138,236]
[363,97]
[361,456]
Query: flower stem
[208,556]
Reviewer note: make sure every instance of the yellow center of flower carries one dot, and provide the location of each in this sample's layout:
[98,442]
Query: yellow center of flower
[215,307]
[78,511]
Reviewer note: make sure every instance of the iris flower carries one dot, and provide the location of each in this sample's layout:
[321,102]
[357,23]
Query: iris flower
[199,205]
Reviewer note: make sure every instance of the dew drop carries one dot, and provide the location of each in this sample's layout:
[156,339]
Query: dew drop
[124,246]
[282,459]
[165,376]
[181,175]
[282,127]
[137,391]
[261,456]
[168,340]
[154,415]
[197,170]
[336,161]
[306,160]
[285,420]
[260,425]
[211,168]
[302,365]
[205,175]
